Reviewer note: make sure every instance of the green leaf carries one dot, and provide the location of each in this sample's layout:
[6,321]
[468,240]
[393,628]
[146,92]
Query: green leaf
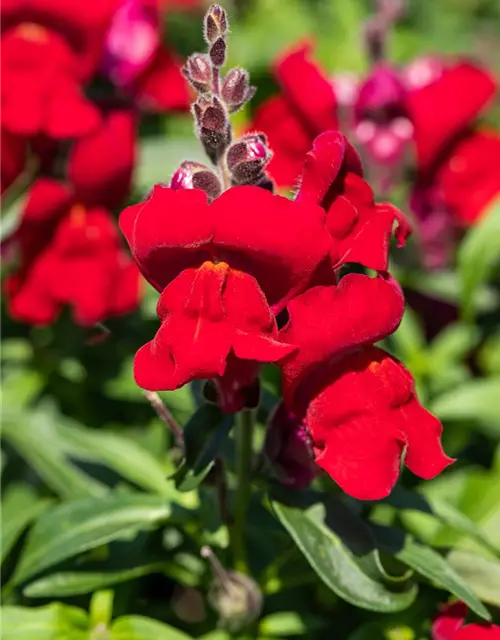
[478,255]
[141,628]
[336,564]
[119,453]
[45,454]
[475,401]
[65,584]
[288,623]
[72,528]
[480,573]
[20,505]
[204,435]
[454,342]
[428,563]
[52,622]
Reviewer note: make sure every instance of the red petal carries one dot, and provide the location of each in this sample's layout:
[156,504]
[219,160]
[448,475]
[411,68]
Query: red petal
[277,241]
[461,93]
[469,178]
[450,619]
[100,165]
[308,89]
[363,419]
[70,114]
[289,139]
[162,87]
[364,310]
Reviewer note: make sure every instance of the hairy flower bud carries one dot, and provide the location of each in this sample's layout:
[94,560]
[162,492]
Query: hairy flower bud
[217,52]
[194,175]
[287,449]
[236,597]
[236,89]
[213,126]
[247,157]
[215,24]
[198,70]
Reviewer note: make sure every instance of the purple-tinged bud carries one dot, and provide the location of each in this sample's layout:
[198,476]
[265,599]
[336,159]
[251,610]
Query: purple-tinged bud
[213,126]
[287,449]
[247,158]
[198,70]
[217,52]
[236,89]
[215,23]
[194,175]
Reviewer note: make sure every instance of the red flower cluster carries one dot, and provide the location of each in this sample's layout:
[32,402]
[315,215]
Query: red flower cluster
[430,105]
[227,270]
[51,52]
[69,249]
[449,625]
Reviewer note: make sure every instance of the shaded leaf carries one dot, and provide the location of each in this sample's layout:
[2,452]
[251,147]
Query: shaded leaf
[204,435]
[428,563]
[20,506]
[72,528]
[336,565]
[65,584]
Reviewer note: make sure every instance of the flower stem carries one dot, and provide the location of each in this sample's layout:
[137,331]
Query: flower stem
[244,441]
[164,414]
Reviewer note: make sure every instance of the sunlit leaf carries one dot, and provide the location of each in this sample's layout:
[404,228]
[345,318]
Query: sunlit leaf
[52,622]
[141,628]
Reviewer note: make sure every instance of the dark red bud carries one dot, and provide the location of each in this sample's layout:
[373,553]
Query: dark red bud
[198,70]
[215,24]
[247,157]
[236,90]
[194,175]
[217,52]
[213,126]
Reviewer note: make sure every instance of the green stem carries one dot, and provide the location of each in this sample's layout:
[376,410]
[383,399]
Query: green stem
[244,442]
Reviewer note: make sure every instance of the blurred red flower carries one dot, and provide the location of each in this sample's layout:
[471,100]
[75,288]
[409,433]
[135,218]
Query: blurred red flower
[224,269]
[449,625]
[67,233]
[49,50]
[359,404]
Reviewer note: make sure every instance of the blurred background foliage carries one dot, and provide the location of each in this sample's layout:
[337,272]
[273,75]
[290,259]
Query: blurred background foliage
[94,530]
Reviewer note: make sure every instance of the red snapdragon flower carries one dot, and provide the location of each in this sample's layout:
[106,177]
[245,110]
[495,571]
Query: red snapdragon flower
[360,228]
[449,625]
[49,49]
[427,107]
[136,60]
[358,403]
[67,242]
[224,270]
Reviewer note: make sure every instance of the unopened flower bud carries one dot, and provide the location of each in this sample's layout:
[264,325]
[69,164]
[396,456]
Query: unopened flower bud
[287,450]
[194,175]
[236,597]
[247,157]
[236,89]
[215,24]
[213,126]
[217,52]
[198,70]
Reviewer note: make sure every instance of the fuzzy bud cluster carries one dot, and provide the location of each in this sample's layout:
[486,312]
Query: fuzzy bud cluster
[242,162]
[194,175]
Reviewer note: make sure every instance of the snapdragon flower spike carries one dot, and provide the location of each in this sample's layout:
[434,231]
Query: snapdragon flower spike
[359,403]
[225,270]
[449,625]
[360,228]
